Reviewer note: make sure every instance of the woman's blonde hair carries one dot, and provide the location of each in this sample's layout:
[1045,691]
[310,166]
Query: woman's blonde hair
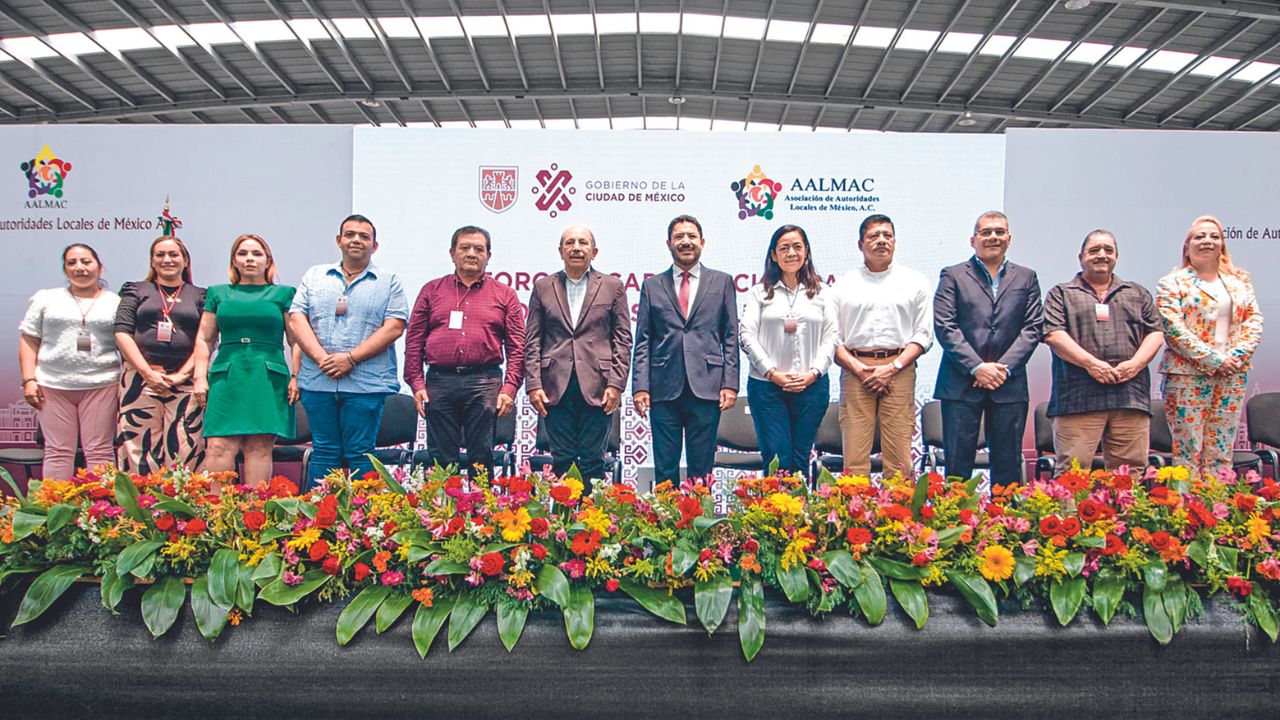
[270,273]
[1225,266]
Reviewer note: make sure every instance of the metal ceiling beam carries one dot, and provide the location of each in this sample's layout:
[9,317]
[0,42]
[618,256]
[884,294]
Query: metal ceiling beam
[258,55]
[285,17]
[1235,33]
[1258,9]
[755,72]
[367,113]
[933,49]
[1088,32]
[391,110]
[804,45]
[973,56]
[595,38]
[1008,54]
[54,80]
[67,16]
[844,57]
[392,92]
[511,37]
[1264,111]
[1218,81]
[431,53]
[555,45]
[1128,72]
[715,70]
[426,108]
[1102,62]
[385,43]
[106,83]
[1254,89]
[340,41]
[471,44]
[884,58]
[142,23]
[679,40]
[174,18]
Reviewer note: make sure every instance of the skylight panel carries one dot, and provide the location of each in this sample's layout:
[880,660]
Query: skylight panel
[1168,61]
[616,23]
[960,42]
[525,25]
[661,122]
[310,29]
[997,45]
[559,123]
[398,27]
[695,123]
[484,25]
[573,24]
[121,39]
[762,127]
[172,36]
[796,129]
[1213,66]
[874,37]
[439,27]
[920,40]
[260,31]
[659,22]
[26,48]
[455,124]
[1126,56]
[628,123]
[491,124]
[74,43]
[1041,49]
[831,33]
[699,24]
[526,125]
[787,31]
[1089,53]
[744,28]
[593,123]
[212,33]
[1255,71]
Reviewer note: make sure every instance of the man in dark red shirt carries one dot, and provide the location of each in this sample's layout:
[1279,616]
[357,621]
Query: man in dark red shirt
[460,328]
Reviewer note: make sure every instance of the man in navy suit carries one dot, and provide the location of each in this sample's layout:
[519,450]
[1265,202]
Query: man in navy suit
[686,354]
[987,318]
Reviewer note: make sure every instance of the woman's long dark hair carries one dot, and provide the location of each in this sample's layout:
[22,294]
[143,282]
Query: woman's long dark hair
[772,273]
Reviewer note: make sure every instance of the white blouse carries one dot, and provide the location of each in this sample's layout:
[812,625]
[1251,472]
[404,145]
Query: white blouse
[56,317]
[767,343]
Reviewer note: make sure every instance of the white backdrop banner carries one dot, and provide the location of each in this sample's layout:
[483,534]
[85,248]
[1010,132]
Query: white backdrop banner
[525,187]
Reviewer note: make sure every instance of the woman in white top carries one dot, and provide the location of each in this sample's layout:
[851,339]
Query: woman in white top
[67,352]
[789,335]
[1212,325]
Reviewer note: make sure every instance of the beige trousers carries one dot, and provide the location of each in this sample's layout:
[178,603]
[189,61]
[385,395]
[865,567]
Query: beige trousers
[896,410]
[1125,436]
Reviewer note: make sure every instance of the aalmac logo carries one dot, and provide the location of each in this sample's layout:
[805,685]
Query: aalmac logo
[553,190]
[499,187]
[46,174]
[756,194]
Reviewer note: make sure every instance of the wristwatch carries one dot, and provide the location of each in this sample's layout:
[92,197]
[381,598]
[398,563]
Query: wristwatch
[897,365]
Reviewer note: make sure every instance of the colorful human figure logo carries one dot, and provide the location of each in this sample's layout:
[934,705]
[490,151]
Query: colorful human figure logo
[45,173]
[756,194]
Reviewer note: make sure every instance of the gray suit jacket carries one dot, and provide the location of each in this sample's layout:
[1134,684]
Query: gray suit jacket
[702,348]
[597,349]
[973,327]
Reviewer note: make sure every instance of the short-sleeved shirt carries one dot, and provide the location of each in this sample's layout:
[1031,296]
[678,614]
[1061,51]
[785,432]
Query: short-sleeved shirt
[142,306]
[373,297]
[56,318]
[1073,307]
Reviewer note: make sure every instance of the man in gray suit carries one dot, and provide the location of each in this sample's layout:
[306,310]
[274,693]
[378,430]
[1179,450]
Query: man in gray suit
[987,318]
[686,355]
[577,353]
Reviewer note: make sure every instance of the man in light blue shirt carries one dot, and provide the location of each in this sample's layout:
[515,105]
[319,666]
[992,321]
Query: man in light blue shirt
[346,317]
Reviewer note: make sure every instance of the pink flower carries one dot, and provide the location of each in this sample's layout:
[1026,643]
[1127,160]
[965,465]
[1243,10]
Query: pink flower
[824,491]
[474,578]
[575,567]
[291,578]
[1031,548]
[1269,569]
[392,577]
[146,501]
[1221,510]
[291,556]
[113,511]
[561,535]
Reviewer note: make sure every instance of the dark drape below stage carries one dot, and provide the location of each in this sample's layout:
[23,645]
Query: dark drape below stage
[80,661]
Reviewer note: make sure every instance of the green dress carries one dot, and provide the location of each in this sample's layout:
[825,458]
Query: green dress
[249,377]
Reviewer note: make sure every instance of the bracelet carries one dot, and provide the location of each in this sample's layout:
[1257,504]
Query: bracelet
[27,380]
[352,358]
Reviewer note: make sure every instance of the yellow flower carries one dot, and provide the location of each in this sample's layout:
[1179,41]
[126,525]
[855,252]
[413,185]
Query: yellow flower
[574,485]
[794,554]
[514,524]
[305,539]
[786,504]
[597,566]
[180,549]
[595,519]
[1049,562]
[1177,473]
[853,480]
[996,563]
[1258,528]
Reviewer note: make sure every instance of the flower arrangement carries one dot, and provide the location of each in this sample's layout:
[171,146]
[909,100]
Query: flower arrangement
[453,549]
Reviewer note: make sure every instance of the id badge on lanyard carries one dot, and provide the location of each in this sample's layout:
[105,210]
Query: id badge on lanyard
[84,341]
[164,331]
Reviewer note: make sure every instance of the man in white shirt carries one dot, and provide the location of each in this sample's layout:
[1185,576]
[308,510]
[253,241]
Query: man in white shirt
[884,313]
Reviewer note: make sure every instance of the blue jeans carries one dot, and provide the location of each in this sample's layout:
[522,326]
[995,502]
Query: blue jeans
[786,422]
[344,426]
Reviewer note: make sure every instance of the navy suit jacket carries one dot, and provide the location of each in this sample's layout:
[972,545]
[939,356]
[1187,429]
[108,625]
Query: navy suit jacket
[974,327]
[702,348]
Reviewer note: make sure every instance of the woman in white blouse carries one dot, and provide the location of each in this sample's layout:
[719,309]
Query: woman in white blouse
[789,335]
[67,352]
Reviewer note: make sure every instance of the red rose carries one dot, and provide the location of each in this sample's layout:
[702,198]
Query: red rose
[966,516]
[538,550]
[519,486]
[1239,586]
[491,563]
[1089,511]
[318,550]
[1050,525]
[561,494]
[164,523]
[389,528]
[1269,490]
[995,511]
[1246,503]
[926,512]
[857,536]
[920,560]
[751,545]
[1200,515]
[327,515]
[1159,493]
[539,527]
[255,519]
[362,571]
[411,499]
[1114,546]
[1160,540]
[705,555]
[455,526]
[194,527]
[1070,527]
[332,565]
[611,585]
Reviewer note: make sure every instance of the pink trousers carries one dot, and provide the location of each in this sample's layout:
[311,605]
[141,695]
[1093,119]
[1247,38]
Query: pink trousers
[88,416]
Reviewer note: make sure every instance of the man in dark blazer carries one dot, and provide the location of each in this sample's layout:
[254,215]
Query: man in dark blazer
[987,318]
[577,354]
[686,357]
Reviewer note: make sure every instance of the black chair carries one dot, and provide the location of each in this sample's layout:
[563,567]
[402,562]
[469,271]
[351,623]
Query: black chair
[504,452]
[931,435]
[541,456]
[1162,443]
[31,458]
[830,444]
[737,436]
[1262,413]
[1046,452]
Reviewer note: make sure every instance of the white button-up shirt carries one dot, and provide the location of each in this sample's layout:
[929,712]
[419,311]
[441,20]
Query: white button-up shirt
[883,310]
[767,343]
[575,292]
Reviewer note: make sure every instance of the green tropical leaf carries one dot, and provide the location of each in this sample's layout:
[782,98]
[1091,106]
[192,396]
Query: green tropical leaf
[978,592]
[1066,596]
[390,611]
[774,464]
[1263,612]
[396,487]
[267,569]
[224,575]
[143,569]
[1074,563]
[794,581]
[912,599]
[136,554]
[751,618]
[511,619]
[1155,574]
[703,523]
[920,495]
[245,588]
[1174,598]
[113,587]
[683,559]
[579,617]
[1024,568]
[656,600]
[1108,589]
[161,603]
[843,568]
[418,537]
[950,536]
[174,505]
[825,477]
[211,618]
[47,588]
[59,516]
[1156,617]
[552,584]
[1091,541]
[278,593]
[127,498]
[362,607]
[288,505]
[25,523]
[1198,550]
[896,569]
[427,623]
[1227,557]
[8,479]
[447,567]
[467,613]
[711,598]
[871,596]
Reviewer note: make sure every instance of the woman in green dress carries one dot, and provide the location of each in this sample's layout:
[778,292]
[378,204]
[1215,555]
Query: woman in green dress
[248,390]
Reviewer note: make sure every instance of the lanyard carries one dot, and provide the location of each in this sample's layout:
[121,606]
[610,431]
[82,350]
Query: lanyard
[84,314]
[167,301]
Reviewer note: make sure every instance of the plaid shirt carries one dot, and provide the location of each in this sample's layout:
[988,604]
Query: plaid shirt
[1072,307]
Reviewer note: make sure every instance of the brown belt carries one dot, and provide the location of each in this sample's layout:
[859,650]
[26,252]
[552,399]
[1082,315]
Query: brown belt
[878,354]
